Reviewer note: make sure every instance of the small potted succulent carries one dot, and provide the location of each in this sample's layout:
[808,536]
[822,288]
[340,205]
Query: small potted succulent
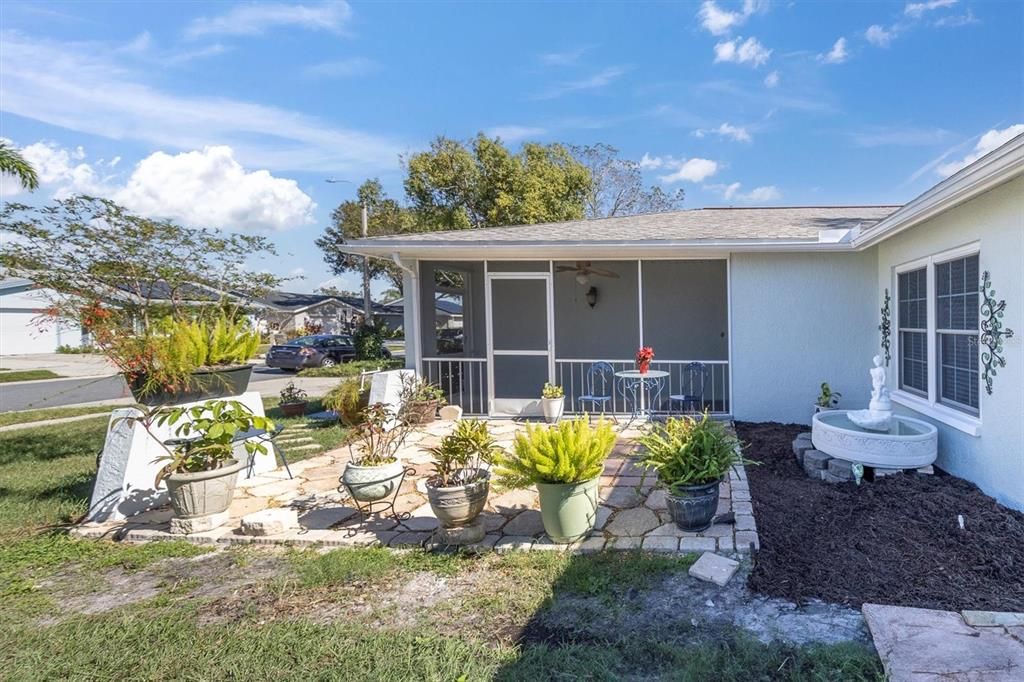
[458,489]
[552,402]
[827,399]
[293,400]
[374,470]
[565,462]
[691,456]
[643,359]
[421,400]
[201,468]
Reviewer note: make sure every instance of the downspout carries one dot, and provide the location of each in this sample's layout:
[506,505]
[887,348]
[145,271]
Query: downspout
[412,297]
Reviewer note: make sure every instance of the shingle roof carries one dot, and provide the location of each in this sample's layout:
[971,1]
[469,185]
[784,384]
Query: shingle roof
[797,222]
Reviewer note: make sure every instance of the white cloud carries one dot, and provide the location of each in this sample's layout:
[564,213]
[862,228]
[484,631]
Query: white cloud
[954,21]
[916,9]
[58,166]
[86,89]
[342,68]
[737,133]
[772,79]
[718,21]
[567,58]
[837,55]
[758,195]
[986,143]
[597,81]
[514,133]
[689,170]
[749,51]
[878,35]
[257,18]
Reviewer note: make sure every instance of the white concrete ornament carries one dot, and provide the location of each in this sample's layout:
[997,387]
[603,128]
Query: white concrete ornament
[125,480]
[386,388]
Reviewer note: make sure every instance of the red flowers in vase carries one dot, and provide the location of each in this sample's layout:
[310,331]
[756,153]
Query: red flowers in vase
[643,359]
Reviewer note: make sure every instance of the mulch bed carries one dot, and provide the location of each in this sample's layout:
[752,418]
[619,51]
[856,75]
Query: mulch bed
[894,541]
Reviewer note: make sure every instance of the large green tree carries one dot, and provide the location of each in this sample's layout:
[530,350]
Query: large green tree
[480,183]
[13,163]
[617,187]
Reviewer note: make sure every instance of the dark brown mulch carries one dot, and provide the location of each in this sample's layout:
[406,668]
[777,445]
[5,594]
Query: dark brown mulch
[894,541]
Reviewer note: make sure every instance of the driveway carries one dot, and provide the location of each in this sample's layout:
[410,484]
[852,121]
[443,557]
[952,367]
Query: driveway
[27,395]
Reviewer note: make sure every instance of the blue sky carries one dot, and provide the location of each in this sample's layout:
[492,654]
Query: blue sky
[233,114]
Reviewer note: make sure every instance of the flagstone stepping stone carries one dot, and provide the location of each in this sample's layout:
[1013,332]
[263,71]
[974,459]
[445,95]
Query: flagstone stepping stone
[656,500]
[269,521]
[410,539]
[305,448]
[714,568]
[993,618]
[513,500]
[670,529]
[525,523]
[592,544]
[492,521]
[633,522]
[326,517]
[603,514]
[691,544]
[922,644]
[275,488]
[620,497]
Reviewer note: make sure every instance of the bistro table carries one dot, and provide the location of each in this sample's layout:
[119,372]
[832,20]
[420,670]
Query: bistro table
[635,382]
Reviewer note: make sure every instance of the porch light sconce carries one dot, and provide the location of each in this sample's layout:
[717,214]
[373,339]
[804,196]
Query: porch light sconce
[592,296]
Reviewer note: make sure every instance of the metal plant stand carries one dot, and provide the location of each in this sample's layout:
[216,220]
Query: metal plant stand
[382,507]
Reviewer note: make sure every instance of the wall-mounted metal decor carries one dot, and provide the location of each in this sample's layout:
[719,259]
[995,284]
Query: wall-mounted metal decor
[992,332]
[885,328]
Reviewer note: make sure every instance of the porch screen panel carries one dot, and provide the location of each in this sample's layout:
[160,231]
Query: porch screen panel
[608,330]
[686,309]
[912,321]
[520,314]
[519,376]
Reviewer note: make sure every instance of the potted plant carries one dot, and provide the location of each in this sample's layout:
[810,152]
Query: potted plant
[691,457]
[201,468]
[293,400]
[458,489]
[565,462]
[643,359]
[827,399]
[421,400]
[552,402]
[374,471]
[348,400]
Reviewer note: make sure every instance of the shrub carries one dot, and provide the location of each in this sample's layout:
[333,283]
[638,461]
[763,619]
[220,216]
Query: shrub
[459,458]
[570,452]
[351,369]
[369,340]
[690,451]
[348,401]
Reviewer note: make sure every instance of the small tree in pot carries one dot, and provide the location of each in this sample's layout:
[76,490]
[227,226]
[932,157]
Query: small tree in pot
[201,468]
[565,463]
[691,456]
[293,400]
[552,402]
[421,400]
[374,470]
[458,489]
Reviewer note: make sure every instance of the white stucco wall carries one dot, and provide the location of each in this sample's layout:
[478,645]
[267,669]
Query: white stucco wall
[994,460]
[23,331]
[798,320]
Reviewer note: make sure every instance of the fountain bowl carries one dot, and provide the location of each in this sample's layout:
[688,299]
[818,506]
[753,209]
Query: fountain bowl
[908,444]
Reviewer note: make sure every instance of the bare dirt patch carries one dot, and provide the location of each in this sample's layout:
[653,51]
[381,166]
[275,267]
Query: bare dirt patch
[893,541]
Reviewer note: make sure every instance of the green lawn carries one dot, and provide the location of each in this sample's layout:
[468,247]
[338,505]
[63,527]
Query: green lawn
[350,369]
[27,416]
[80,609]
[8,376]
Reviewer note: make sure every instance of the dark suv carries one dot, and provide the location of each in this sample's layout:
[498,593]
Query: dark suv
[321,350]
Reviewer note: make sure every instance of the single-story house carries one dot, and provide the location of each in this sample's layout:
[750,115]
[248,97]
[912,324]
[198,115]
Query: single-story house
[284,312]
[24,327]
[771,302]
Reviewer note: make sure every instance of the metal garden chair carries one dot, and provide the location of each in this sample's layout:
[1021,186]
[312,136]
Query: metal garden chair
[597,386]
[694,379]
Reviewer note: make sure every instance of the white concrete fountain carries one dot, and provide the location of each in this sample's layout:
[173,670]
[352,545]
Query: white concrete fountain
[875,436]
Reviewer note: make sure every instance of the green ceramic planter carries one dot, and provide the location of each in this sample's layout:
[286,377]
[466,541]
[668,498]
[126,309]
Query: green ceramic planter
[569,510]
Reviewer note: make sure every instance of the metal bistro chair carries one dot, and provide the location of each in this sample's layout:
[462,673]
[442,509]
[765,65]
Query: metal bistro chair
[695,378]
[597,386]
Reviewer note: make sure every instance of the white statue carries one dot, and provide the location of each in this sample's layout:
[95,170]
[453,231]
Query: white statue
[878,416]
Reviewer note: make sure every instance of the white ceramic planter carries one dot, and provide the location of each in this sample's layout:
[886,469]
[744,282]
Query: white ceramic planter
[552,408]
[369,484]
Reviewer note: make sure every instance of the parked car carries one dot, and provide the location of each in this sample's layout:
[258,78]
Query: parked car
[318,350]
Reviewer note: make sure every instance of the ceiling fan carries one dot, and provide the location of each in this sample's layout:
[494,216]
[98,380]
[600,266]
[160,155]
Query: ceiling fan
[583,271]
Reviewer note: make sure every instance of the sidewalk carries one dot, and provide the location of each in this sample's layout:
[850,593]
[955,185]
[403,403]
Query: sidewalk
[66,365]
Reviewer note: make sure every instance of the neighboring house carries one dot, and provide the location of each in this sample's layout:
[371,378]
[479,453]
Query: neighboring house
[447,312]
[773,301]
[287,313]
[24,327]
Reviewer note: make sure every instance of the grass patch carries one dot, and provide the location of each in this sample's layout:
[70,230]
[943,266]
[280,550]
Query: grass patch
[370,565]
[350,369]
[8,376]
[28,416]
[329,436]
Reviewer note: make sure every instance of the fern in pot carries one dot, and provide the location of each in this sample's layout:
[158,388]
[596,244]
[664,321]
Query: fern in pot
[691,457]
[458,489]
[565,463]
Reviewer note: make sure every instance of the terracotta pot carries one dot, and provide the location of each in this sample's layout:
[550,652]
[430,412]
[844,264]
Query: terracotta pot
[644,366]
[294,409]
[203,384]
[203,492]
[421,411]
[458,505]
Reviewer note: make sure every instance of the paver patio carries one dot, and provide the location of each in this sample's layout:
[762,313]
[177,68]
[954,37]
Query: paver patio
[632,512]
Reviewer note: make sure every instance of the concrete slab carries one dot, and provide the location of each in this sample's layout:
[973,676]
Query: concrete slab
[921,644]
[714,568]
[993,618]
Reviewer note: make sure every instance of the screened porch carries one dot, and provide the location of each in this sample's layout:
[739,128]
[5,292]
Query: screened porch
[577,324]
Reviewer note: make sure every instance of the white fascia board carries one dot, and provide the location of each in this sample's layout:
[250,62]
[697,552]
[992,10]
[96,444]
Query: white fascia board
[998,167]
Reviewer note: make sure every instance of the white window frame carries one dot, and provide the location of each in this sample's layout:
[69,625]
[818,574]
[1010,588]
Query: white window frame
[931,405]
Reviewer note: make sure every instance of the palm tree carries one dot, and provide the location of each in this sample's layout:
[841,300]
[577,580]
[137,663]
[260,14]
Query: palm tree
[13,163]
